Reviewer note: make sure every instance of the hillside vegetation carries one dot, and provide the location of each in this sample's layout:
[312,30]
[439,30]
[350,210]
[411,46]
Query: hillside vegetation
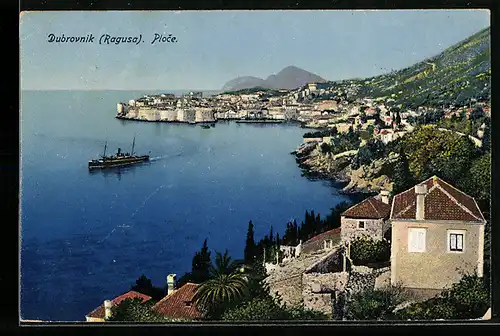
[458,74]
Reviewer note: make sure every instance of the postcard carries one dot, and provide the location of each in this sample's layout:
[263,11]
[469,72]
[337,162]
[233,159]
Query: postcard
[273,166]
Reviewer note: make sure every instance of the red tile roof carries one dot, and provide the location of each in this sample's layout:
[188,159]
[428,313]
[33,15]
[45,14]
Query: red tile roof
[442,202]
[179,303]
[324,234]
[370,208]
[99,311]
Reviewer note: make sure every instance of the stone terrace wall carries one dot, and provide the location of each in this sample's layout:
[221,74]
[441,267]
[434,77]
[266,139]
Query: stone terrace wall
[287,278]
[362,278]
[317,290]
[289,289]
[331,263]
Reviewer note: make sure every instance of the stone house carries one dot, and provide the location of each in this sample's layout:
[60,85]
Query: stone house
[104,311]
[322,242]
[437,235]
[366,219]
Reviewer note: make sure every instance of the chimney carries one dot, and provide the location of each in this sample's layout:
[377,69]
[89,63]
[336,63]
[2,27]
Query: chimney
[421,191]
[170,283]
[107,309]
[384,196]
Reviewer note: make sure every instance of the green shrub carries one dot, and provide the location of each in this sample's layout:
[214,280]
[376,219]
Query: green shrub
[467,299]
[365,250]
[268,308]
[375,304]
[256,309]
[432,309]
[470,297]
[133,310]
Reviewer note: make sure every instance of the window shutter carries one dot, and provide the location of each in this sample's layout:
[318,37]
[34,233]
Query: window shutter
[421,240]
[412,240]
[453,241]
[416,240]
[460,242]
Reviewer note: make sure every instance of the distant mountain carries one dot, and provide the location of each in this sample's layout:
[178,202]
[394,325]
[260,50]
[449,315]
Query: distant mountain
[459,73]
[290,77]
[243,83]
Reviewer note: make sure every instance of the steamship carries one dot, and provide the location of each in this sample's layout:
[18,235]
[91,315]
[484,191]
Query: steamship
[118,160]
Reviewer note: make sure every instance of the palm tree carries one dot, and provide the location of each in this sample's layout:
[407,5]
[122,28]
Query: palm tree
[224,265]
[227,286]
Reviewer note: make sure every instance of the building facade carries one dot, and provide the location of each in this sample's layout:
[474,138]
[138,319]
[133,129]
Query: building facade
[437,236]
[366,219]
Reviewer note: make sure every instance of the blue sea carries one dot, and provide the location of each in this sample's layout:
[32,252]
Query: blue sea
[86,237]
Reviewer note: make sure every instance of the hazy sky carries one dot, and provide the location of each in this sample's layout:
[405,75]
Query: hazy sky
[214,47]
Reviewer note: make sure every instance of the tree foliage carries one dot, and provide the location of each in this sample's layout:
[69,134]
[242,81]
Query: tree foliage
[250,253]
[477,181]
[434,152]
[224,265]
[401,175]
[143,285]
[133,310]
[372,150]
[200,269]
[268,308]
[365,250]
[467,299]
[376,304]
[219,293]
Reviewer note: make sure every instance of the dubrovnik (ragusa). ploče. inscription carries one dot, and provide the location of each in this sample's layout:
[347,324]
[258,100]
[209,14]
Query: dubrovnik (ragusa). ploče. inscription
[110,39]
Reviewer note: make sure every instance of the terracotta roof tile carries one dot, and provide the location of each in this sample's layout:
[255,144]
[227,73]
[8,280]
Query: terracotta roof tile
[370,208]
[179,303]
[325,234]
[99,311]
[442,202]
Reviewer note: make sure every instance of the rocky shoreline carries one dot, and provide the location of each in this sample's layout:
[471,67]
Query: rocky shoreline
[352,182]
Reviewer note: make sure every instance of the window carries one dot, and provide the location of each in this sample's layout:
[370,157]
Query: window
[361,225]
[416,239]
[456,240]
[327,244]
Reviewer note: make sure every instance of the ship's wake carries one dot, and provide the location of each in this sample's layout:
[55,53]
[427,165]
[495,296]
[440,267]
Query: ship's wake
[163,157]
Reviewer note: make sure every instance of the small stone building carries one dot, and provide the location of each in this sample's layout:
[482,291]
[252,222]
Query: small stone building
[367,219]
[323,242]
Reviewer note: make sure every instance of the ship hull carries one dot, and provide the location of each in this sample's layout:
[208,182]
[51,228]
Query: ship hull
[118,162]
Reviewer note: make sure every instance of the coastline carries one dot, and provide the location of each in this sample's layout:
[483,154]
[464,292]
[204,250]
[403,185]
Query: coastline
[339,179]
[167,121]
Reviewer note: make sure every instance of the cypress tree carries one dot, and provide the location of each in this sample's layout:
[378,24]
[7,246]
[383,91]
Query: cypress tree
[317,224]
[271,236]
[398,118]
[201,264]
[250,253]
[295,233]
[277,239]
[403,178]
